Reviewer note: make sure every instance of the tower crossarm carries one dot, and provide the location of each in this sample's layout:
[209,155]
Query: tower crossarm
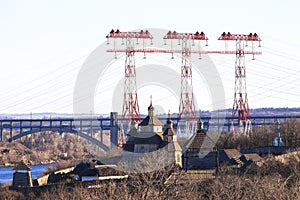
[187,36]
[180,51]
[140,34]
[241,37]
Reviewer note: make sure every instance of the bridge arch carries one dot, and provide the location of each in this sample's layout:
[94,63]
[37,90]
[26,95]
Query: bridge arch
[65,130]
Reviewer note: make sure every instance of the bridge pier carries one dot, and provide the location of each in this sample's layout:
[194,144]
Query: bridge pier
[1,132]
[60,127]
[31,125]
[91,126]
[21,130]
[101,132]
[114,128]
[80,126]
[228,125]
[11,129]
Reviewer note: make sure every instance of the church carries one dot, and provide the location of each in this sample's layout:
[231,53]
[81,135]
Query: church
[148,136]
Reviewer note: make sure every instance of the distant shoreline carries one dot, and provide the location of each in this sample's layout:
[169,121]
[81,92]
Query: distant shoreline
[33,163]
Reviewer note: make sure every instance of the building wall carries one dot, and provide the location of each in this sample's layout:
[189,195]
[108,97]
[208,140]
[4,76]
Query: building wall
[143,148]
[22,179]
[151,128]
[178,158]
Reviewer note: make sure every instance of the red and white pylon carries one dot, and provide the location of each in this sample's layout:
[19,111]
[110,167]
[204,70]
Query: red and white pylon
[187,105]
[240,103]
[130,111]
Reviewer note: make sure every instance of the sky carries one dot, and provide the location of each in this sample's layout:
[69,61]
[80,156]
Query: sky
[43,45]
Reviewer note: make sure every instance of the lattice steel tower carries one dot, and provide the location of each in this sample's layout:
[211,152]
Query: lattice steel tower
[186,106]
[240,104]
[130,111]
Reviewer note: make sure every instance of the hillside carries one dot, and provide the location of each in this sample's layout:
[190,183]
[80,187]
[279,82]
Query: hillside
[51,149]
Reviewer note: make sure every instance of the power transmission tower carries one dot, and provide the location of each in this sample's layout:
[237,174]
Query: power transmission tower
[240,103]
[130,111]
[187,105]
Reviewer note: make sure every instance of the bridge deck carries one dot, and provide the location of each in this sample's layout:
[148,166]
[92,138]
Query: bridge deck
[84,126]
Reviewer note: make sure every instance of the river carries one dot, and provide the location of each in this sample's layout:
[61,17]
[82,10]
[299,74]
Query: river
[6,173]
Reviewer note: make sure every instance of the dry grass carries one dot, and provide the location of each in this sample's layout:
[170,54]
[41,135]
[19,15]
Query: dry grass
[274,180]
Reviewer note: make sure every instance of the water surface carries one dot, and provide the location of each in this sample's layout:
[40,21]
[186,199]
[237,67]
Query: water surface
[6,173]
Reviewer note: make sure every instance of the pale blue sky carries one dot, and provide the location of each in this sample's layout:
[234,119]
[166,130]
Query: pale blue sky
[43,44]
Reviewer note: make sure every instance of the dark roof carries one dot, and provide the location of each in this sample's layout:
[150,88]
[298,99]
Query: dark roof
[151,121]
[195,142]
[81,167]
[200,140]
[230,156]
[250,157]
[22,166]
[148,138]
[89,172]
[231,153]
[133,132]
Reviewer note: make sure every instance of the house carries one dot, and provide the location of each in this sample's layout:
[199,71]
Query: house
[249,159]
[171,143]
[230,157]
[148,136]
[199,150]
[22,175]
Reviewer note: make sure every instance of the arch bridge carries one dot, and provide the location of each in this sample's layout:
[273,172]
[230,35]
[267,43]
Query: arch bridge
[85,127]
[82,127]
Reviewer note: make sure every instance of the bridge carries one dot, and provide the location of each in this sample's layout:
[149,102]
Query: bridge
[84,127]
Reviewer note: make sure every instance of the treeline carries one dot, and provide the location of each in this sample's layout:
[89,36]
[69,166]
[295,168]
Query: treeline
[263,136]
